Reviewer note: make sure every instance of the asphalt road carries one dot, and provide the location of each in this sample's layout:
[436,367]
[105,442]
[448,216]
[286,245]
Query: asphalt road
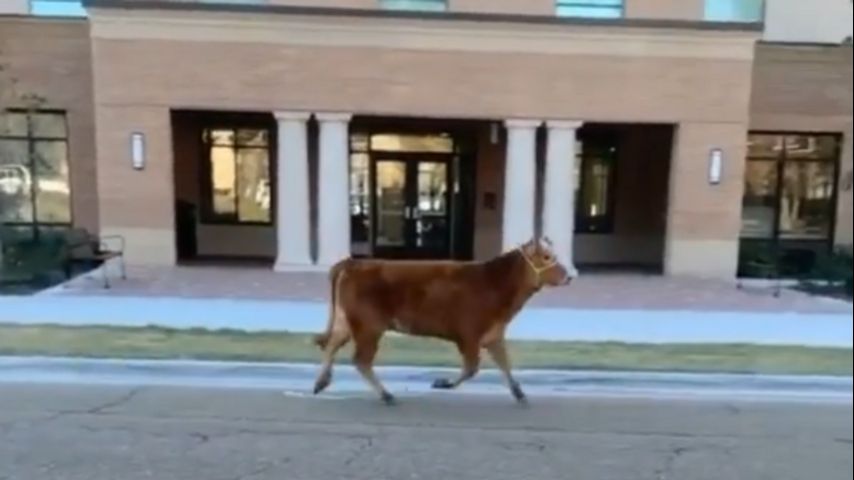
[89,432]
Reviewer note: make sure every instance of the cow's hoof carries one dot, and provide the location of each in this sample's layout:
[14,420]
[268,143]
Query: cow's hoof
[519,395]
[443,384]
[388,399]
[322,384]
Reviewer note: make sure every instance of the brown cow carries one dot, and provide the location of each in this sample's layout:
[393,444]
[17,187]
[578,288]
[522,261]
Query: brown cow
[467,303]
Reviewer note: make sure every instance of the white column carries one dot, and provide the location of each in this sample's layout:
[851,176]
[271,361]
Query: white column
[519,183]
[292,197]
[333,189]
[559,192]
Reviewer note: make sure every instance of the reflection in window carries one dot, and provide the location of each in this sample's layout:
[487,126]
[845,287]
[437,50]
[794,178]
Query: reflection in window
[789,201]
[590,8]
[58,8]
[34,178]
[595,173]
[734,10]
[412,143]
[790,186]
[239,166]
[415,5]
[360,197]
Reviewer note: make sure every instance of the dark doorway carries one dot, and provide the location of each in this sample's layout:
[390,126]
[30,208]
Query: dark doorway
[412,192]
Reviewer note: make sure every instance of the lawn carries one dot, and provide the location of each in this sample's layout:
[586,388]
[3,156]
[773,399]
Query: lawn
[159,343]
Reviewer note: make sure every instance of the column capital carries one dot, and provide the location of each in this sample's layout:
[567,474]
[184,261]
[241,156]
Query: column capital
[284,115]
[564,124]
[333,117]
[522,123]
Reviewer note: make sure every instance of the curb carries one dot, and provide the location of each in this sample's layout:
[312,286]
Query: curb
[299,378]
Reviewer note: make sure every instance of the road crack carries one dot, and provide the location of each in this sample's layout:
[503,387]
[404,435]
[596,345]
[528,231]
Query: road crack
[123,400]
[367,443]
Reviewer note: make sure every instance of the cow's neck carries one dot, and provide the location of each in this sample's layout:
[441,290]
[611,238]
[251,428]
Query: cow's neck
[516,281]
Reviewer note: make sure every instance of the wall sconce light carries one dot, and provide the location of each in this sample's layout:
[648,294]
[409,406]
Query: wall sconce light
[137,150]
[493,133]
[716,166]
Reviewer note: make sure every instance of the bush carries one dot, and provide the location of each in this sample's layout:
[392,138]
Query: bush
[833,273]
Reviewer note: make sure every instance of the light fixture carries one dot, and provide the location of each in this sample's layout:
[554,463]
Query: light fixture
[716,160]
[493,133]
[137,150]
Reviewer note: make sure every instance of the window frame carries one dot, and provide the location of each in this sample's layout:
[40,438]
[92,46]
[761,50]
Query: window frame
[207,214]
[32,140]
[590,4]
[781,161]
[605,224]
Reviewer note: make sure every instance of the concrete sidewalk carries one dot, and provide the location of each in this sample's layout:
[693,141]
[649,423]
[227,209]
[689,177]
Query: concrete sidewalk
[533,323]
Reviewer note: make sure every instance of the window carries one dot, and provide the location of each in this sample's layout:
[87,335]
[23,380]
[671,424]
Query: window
[735,10]
[34,177]
[238,176]
[790,193]
[415,5]
[590,8]
[595,176]
[59,8]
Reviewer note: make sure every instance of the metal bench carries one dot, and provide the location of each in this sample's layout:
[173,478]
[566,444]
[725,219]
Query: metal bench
[84,247]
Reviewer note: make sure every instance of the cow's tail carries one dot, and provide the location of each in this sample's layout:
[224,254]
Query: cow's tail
[334,283]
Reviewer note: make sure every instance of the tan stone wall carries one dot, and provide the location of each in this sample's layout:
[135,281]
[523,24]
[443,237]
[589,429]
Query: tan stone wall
[52,58]
[137,203]
[515,7]
[147,63]
[807,89]
[704,220]
[665,9]
[14,6]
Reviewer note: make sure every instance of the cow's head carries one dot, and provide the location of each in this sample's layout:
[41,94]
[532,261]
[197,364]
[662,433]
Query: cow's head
[546,265]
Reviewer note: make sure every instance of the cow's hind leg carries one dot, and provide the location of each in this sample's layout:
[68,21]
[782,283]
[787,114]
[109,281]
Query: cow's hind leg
[471,363]
[335,341]
[498,351]
[367,344]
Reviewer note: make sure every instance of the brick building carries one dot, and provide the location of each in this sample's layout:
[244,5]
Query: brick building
[680,136]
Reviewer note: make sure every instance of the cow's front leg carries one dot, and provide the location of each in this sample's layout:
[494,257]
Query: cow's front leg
[471,363]
[498,351]
[367,344]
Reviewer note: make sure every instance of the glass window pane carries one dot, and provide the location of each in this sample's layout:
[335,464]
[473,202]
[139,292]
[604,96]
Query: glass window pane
[13,124]
[760,200]
[734,10]
[391,203]
[254,185]
[811,147]
[53,193]
[412,143]
[360,197]
[416,5]
[359,142]
[48,125]
[765,146]
[221,137]
[590,8]
[62,8]
[223,175]
[597,185]
[806,204]
[16,203]
[252,138]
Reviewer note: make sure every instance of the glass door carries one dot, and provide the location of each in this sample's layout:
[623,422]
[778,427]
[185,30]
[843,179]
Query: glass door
[412,207]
